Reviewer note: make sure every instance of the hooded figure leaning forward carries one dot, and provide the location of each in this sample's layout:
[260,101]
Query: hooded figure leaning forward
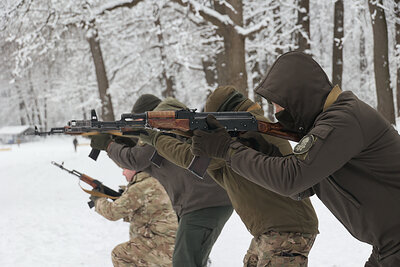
[349,155]
[283,229]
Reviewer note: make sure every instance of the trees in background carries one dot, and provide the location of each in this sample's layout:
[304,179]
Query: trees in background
[303,36]
[104,54]
[381,60]
[397,52]
[338,34]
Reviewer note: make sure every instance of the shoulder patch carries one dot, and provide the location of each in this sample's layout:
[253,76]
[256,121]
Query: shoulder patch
[304,145]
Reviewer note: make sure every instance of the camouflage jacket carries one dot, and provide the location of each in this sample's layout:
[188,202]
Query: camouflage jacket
[144,204]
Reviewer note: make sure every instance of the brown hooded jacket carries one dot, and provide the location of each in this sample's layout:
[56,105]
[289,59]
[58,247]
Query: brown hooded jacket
[350,155]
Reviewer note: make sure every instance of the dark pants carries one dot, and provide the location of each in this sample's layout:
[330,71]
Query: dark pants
[197,232]
[389,261]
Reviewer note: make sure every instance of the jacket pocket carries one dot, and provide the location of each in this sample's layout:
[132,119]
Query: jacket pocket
[343,192]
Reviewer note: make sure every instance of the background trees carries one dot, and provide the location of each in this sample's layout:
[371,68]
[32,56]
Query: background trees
[59,59]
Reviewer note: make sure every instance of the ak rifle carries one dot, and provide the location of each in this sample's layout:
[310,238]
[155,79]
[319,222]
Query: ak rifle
[182,120]
[100,189]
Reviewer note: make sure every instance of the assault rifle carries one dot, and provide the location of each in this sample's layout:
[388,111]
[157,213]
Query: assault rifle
[101,190]
[183,120]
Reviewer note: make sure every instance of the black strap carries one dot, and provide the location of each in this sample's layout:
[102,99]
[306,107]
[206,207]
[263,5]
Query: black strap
[199,166]
[156,159]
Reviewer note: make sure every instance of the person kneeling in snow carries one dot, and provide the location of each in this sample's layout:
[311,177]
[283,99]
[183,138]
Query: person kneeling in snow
[153,223]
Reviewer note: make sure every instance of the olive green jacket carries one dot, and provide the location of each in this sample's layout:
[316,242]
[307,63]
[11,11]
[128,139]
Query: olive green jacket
[261,210]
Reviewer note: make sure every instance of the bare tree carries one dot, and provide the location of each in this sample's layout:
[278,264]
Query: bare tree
[227,16]
[209,72]
[303,21]
[397,49]
[231,64]
[381,62]
[107,111]
[165,78]
[337,55]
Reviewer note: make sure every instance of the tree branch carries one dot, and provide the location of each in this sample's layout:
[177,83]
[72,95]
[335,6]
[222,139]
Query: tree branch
[115,5]
[207,13]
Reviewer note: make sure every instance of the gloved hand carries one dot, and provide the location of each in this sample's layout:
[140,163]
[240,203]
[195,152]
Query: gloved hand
[128,141]
[149,136]
[100,141]
[213,143]
[256,141]
[94,198]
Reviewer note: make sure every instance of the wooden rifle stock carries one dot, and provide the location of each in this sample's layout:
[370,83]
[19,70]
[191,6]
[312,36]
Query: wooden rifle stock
[101,190]
[276,129]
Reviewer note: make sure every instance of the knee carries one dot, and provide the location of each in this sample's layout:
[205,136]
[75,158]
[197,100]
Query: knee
[250,260]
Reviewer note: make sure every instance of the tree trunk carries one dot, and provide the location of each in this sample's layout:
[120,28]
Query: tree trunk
[381,63]
[363,58]
[107,111]
[303,20]
[397,49]
[168,80]
[277,22]
[337,55]
[209,72]
[35,106]
[22,106]
[231,63]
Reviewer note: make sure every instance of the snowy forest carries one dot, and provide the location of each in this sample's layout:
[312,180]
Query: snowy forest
[60,59]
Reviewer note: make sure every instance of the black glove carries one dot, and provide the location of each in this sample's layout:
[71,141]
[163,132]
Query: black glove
[93,198]
[100,141]
[128,141]
[257,142]
[213,143]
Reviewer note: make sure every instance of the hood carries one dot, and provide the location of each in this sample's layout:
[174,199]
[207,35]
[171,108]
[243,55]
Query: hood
[227,98]
[170,103]
[146,102]
[297,83]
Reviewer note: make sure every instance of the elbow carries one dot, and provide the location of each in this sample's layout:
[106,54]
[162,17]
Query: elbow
[286,191]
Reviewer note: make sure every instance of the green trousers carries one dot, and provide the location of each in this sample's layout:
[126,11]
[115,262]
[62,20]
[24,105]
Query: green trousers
[197,232]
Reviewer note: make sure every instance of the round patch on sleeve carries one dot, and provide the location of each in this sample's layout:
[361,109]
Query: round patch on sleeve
[304,145]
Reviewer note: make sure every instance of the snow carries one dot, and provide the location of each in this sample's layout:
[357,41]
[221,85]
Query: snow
[45,220]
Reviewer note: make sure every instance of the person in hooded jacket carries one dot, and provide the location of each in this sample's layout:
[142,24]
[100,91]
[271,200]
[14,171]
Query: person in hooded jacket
[283,229]
[349,155]
[201,205]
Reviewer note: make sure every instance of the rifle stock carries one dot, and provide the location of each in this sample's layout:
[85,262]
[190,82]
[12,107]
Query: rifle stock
[101,190]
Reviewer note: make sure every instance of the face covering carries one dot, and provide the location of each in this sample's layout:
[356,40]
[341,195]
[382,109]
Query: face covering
[286,120]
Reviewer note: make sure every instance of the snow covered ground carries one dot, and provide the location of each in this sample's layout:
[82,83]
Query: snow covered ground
[45,221]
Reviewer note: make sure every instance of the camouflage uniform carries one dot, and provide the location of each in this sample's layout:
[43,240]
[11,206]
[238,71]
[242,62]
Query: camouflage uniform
[153,223]
[279,249]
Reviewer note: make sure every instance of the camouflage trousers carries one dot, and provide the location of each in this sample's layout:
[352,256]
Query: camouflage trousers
[279,249]
[144,252]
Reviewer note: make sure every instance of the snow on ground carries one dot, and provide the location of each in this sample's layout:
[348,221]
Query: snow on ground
[45,221]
